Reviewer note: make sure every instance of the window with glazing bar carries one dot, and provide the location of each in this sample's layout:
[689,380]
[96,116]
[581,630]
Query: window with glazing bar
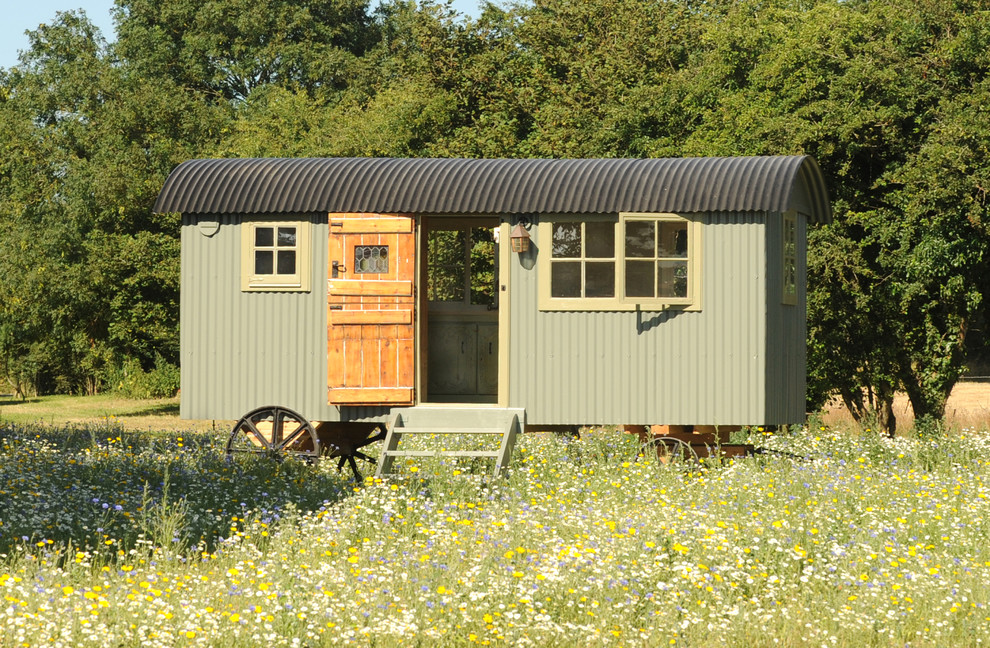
[649,261]
[275,256]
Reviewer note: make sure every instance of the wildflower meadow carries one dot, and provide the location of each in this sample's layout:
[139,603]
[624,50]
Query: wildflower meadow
[830,538]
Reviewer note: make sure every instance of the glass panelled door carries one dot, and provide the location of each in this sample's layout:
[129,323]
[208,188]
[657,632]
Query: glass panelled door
[462,311]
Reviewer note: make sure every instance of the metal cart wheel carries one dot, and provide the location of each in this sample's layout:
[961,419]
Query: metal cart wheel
[274,432]
[669,450]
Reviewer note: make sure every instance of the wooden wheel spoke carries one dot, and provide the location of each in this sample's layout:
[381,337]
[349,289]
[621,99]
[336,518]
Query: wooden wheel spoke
[668,449]
[278,420]
[253,431]
[293,437]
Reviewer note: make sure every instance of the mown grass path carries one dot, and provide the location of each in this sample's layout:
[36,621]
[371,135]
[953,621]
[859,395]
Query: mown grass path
[115,538]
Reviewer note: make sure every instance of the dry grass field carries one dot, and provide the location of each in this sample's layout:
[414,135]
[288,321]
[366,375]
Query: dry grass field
[161,415]
[968,407]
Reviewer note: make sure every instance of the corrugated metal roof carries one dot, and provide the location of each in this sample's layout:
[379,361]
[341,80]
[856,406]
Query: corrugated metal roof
[470,186]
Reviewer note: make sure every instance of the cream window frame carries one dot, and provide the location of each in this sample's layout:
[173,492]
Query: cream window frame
[692,302]
[299,281]
[788,259]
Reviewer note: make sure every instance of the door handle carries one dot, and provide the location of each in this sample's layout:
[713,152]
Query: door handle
[336,269]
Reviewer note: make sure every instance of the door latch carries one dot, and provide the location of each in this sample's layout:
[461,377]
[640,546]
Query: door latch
[336,269]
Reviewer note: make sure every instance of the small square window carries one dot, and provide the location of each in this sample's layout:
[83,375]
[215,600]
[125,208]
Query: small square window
[275,256]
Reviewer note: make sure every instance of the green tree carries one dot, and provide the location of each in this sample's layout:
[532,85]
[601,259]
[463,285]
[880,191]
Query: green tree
[868,88]
[91,132]
[228,48]
[90,275]
[45,305]
[940,247]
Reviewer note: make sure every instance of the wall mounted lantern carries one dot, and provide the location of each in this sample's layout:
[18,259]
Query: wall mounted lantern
[519,237]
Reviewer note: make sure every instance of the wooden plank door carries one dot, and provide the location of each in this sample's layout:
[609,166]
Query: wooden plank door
[371,300]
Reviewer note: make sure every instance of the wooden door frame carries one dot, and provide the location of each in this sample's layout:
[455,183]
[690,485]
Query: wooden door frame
[422,306]
[504,303]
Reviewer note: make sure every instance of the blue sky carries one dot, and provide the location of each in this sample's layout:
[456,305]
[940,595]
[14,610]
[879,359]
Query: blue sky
[22,15]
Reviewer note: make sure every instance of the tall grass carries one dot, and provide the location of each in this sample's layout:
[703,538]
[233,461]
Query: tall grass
[830,539]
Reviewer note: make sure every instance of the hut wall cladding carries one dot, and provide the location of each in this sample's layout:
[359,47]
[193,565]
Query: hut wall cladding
[787,332]
[701,368]
[242,350]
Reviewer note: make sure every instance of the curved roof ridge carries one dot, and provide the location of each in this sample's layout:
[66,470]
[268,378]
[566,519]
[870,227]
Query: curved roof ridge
[495,186]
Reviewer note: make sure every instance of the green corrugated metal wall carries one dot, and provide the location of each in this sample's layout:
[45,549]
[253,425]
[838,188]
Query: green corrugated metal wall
[702,367]
[720,366]
[786,378]
[245,350]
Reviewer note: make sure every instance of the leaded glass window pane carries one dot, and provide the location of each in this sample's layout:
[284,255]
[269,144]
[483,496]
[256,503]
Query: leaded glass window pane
[370,259]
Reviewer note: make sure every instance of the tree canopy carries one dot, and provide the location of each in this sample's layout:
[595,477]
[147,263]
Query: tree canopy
[890,96]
